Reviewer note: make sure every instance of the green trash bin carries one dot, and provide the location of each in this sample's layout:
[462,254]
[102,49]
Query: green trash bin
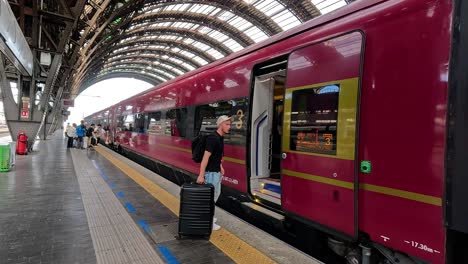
[4,157]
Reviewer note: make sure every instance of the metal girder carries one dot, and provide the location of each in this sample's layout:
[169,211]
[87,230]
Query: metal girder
[81,68]
[181,32]
[55,68]
[136,70]
[144,67]
[58,18]
[129,74]
[124,10]
[196,18]
[179,44]
[302,9]
[108,37]
[49,37]
[65,7]
[96,32]
[56,107]
[56,65]
[238,8]
[50,82]
[6,93]
[76,52]
[156,74]
[80,65]
[170,43]
[156,51]
[152,59]
[143,64]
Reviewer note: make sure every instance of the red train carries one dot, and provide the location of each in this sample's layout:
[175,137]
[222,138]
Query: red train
[353,123]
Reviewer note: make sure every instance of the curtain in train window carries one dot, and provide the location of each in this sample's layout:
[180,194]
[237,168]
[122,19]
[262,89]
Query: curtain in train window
[140,123]
[120,122]
[314,118]
[176,122]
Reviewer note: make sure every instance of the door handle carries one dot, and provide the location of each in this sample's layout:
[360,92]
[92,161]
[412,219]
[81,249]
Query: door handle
[284,155]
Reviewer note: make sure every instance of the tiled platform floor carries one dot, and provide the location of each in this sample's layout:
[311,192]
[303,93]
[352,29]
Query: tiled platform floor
[42,218]
[70,206]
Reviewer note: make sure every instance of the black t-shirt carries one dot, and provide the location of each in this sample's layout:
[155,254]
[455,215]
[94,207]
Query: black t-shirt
[214,145]
[89,132]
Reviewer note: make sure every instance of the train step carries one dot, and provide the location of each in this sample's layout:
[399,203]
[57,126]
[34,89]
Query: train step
[270,181]
[264,211]
[268,195]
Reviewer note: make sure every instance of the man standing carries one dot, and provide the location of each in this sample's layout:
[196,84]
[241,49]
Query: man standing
[90,134]
[68,125]
[80,132]
[99,132]
[71,134]
[211,168]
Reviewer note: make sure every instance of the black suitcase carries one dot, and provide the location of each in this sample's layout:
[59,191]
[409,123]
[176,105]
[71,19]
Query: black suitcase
[196,210]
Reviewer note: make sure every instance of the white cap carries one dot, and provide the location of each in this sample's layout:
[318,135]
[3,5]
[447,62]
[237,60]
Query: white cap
[221,119]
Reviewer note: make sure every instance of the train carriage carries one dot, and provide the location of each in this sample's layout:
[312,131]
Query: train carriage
[342,123]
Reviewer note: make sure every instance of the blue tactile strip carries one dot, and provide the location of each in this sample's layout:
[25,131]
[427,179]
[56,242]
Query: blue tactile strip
[116,237]
[158,222]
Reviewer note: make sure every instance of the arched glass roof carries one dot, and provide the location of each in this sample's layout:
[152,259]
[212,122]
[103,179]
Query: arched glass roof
[163,39]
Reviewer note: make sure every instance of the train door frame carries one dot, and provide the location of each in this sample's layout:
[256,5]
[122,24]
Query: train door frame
[349,88]
[266,71]
[455,198]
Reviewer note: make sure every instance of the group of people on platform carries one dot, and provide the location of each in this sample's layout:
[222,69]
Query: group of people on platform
[83,137]
[211,168]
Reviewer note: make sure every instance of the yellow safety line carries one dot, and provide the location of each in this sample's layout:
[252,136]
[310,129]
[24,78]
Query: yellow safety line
[235,248]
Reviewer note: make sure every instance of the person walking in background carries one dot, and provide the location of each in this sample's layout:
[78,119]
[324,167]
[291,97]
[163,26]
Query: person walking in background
[90,134]
[71,134]
[211,167]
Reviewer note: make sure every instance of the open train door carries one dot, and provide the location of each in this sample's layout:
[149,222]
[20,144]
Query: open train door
[319,167]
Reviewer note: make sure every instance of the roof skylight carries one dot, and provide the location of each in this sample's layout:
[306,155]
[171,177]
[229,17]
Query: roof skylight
[182,40]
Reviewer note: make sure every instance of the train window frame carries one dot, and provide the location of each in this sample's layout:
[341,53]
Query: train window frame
[158,121]
[239,108]
[126,121]
[329,137]
[139,120]
[175,114]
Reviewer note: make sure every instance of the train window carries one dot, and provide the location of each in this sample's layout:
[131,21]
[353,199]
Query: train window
[128,123]
[206,116]
[239,112]
[205,119]
[176,122]
[314,118]
[155,125]
[120,122]
[139,123]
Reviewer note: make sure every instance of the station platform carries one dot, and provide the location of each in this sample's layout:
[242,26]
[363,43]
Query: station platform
[60,205]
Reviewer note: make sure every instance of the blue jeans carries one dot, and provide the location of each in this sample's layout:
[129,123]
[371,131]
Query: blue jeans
[215,179]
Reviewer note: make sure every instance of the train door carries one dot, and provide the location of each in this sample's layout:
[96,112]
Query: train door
[319,171]
[266,129]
